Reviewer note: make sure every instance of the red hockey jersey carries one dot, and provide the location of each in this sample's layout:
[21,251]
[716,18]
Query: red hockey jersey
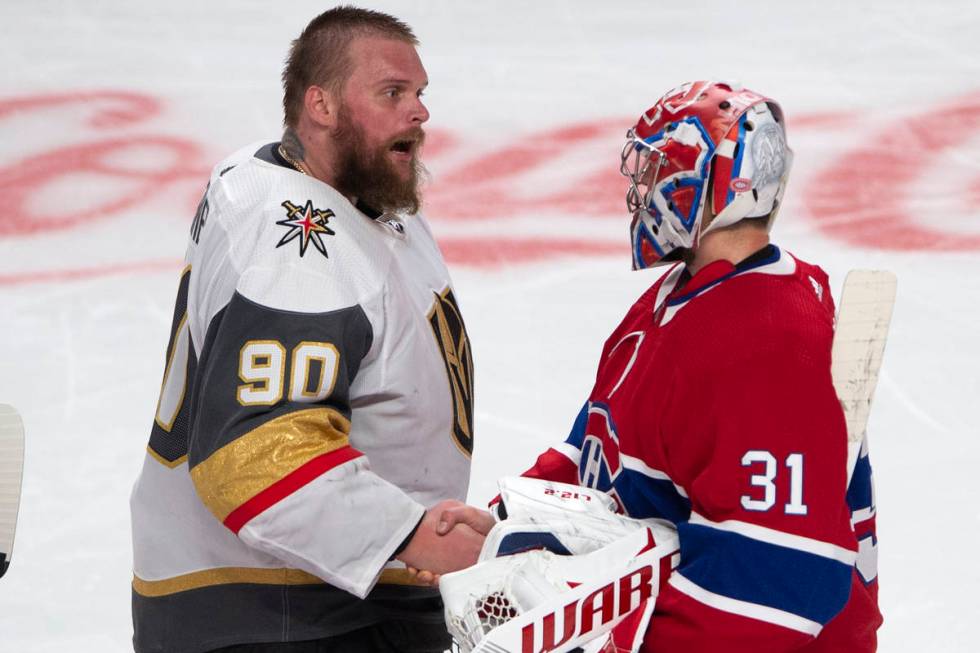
[714,408]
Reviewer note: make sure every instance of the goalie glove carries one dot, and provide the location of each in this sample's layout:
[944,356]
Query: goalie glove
[570,569]
[558,517]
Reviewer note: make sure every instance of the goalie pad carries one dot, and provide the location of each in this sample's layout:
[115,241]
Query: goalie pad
[560,571]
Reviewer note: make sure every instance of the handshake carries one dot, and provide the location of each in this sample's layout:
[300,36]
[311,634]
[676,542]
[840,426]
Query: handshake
[448,539]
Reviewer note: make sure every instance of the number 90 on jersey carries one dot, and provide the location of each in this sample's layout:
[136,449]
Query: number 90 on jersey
[262,366]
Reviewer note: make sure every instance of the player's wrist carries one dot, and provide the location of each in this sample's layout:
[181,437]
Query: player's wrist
[408,539]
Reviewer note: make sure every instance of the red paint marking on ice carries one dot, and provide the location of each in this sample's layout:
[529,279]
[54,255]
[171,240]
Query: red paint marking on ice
[93,272]
[121,107]
[522,156]
[488,187]
[974,195]
[862,199]
[31,199]
[438,142]
[27,208]
[820,119]
[500,252]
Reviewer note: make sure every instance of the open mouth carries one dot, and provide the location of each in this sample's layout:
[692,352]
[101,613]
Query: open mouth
[403,147]
[407,144]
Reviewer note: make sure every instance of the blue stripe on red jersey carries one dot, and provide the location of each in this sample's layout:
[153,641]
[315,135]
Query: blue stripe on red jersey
[643,497]
[861,501]
[738,567]
[577,434]
[860,495]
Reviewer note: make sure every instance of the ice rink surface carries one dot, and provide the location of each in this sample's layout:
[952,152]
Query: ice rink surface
[112,113]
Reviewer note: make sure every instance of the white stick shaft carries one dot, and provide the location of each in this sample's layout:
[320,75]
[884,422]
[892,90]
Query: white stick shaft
[859,344]
[11,473]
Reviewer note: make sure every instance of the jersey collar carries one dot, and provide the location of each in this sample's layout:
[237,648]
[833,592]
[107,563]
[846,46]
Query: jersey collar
[768,260]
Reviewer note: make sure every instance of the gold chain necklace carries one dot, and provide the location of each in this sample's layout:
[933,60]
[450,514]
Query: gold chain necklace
[293,162]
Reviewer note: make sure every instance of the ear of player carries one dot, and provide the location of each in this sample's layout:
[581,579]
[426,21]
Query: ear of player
[704,146]
[11,473]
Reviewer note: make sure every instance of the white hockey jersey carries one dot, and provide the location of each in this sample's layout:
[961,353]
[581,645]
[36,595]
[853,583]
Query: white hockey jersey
[317,397]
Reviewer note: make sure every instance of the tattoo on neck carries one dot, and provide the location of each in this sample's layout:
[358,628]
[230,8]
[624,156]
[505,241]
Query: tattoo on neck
[292,145]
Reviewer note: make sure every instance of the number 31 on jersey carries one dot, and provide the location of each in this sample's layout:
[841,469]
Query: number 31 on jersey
[767,481]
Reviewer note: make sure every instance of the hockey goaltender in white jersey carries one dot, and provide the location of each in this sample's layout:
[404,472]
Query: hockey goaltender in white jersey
[317,397]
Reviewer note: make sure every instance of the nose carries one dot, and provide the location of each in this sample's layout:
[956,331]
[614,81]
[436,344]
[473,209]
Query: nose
[420,114]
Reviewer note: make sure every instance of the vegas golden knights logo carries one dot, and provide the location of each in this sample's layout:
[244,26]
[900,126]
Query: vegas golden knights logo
[450,332]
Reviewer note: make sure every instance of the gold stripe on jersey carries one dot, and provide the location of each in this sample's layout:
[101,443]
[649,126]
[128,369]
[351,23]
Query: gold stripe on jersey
[255,576]
[222,576]
[397,577]
[252,462]
[163,461]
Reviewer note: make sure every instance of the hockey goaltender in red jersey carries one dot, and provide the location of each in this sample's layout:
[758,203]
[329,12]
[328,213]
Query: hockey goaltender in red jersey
[713,405]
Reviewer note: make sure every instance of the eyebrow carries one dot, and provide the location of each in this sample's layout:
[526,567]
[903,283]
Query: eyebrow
[397,80]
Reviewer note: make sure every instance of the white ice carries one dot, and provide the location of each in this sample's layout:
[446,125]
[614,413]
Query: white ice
[883,102]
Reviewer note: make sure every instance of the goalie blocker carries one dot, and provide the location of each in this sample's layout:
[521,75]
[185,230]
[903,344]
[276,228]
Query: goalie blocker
[560,571]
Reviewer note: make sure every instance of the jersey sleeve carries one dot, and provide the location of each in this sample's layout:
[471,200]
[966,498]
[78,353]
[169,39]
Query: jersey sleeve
[767,555]
[270,454]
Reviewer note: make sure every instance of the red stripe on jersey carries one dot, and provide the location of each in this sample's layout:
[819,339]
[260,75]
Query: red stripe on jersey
[287,485]
[866,525]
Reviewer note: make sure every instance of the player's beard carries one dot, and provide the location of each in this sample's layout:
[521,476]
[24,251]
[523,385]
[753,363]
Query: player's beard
[370,176]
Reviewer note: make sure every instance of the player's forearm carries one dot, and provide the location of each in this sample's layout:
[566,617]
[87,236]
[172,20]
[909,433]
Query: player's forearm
[342,528]
[293,488]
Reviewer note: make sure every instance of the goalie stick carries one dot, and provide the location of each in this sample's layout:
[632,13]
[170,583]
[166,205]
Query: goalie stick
[865,313]
[11,473]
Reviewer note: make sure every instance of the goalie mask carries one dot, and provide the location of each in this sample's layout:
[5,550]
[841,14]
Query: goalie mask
[704,146]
